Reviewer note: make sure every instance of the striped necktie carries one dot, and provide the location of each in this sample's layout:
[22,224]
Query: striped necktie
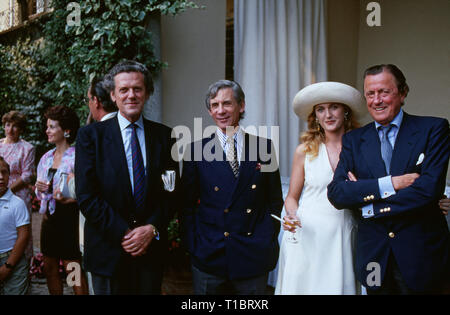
[386,148]
[232,156]
[138,170]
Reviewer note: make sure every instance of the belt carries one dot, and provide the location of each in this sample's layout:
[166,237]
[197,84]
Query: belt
[6,254]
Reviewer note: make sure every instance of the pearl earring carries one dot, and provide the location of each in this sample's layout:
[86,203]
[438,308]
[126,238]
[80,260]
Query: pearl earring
[66,134]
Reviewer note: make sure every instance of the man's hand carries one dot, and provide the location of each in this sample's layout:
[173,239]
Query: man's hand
[4,273]
[444,204]
[136,241]
[403,181]
[352,177]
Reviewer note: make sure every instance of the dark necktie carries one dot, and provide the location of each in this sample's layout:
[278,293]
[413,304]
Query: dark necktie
[386,148]
[232,156]
[138,169]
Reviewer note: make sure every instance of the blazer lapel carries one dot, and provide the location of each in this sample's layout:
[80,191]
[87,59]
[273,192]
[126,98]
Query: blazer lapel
[113,140]
[406,139]
[371,150]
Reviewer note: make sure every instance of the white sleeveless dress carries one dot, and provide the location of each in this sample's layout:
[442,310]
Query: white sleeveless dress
[322,260]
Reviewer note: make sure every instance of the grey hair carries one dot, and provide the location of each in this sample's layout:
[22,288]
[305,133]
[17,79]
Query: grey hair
[129,66]
[214,88]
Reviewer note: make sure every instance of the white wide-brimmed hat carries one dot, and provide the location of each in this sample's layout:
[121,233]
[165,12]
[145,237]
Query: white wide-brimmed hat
[329,92]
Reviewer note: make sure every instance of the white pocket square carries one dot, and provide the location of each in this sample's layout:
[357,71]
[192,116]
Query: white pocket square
[169,180]
[420,160]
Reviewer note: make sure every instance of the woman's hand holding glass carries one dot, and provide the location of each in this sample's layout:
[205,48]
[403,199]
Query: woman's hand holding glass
[42,187]
[58,195]
[290,223]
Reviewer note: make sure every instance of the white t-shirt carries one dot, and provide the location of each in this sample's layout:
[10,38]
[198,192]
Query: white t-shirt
[13,214]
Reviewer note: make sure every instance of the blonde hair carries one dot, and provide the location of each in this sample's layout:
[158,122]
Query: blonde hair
[315,135]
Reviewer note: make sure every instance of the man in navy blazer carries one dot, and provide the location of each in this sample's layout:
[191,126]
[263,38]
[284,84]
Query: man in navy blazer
[118,168]
[231,185]
[393,172]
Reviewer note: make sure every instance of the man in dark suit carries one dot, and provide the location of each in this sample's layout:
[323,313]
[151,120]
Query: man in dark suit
[118,168]
[393,171]
[228,200]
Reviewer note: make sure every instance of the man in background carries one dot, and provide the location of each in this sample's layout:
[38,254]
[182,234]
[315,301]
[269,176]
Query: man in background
[99,101]
[14,234]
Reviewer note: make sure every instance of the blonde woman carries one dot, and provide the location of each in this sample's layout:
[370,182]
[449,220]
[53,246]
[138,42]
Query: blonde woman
[321,261]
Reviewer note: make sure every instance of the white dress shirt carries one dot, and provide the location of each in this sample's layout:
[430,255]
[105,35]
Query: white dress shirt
[385,183]
[238,137]
[108,116]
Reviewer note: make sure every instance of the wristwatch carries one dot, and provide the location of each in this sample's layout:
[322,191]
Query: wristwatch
[9,266]
[155,231]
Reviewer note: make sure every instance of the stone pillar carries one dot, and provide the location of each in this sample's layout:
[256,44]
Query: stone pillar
[153,107]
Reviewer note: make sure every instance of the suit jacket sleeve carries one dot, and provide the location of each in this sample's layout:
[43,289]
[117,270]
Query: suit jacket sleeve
[190,197]
[343,193]
[428,188]
[96,210]
[276,195]
[272,195]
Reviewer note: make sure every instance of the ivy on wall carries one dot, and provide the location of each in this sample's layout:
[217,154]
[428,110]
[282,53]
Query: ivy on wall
[23,74]
[56,69]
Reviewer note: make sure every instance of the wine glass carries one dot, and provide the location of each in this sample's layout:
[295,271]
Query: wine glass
[292,238]
[62,186]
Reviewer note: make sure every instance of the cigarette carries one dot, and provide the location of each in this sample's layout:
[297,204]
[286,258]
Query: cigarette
[277,218]
[283,221]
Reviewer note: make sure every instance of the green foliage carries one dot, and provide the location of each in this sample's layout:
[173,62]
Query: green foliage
[174,233]
[57,69]
[22,75]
